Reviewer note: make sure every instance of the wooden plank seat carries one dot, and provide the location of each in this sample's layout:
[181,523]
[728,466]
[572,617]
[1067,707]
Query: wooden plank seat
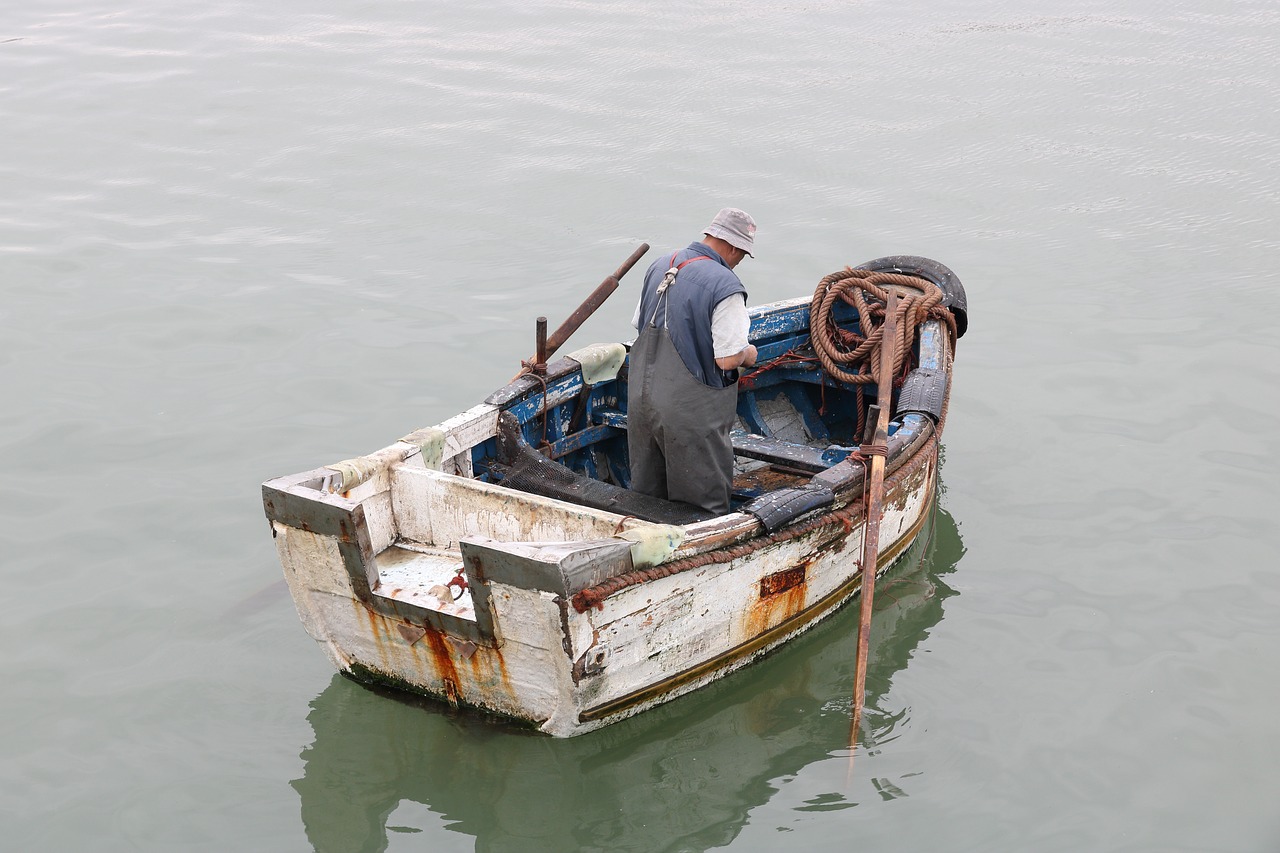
[786,453]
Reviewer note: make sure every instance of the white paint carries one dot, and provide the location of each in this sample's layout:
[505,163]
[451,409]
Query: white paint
[643,636]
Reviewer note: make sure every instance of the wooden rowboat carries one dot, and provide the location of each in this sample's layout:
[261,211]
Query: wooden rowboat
[748,736]
[498,560]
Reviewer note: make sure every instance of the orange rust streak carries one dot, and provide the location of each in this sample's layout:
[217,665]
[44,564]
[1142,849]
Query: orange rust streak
[772,610]
[441,657]
[377,633]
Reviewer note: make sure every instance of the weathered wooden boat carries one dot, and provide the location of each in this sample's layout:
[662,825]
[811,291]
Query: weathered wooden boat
[499,560]
[708,762]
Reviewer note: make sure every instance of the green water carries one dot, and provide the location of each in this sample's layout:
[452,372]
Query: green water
[244,240]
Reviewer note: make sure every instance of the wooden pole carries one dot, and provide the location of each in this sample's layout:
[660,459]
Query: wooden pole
[875,498]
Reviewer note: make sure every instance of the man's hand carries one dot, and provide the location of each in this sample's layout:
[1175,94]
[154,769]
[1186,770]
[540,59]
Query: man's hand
[746,358]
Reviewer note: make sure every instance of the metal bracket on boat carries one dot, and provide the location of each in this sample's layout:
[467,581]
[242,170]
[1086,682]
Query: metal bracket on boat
[780,507]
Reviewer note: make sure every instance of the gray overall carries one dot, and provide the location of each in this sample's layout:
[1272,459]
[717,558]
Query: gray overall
[677,426]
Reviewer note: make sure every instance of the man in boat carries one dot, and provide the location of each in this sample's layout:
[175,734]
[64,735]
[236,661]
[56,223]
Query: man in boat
[683,386]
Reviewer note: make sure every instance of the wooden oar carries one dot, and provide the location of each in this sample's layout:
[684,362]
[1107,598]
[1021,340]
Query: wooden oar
[875,497]
[547,346]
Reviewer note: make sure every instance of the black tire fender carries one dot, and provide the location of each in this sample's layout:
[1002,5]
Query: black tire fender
[953,296]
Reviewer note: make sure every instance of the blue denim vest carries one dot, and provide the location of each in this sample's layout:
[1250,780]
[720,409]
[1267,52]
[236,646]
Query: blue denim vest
[685,309]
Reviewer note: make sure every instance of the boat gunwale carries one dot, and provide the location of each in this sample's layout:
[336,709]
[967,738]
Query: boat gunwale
[694,553]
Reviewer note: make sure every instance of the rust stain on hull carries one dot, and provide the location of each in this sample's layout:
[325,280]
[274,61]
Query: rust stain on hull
[801,619]
[483,673]
[438,660]
[442,660]
[377,632]
[466,673]
[782,595]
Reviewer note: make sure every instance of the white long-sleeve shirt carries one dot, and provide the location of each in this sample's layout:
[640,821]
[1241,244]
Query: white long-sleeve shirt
[729,325]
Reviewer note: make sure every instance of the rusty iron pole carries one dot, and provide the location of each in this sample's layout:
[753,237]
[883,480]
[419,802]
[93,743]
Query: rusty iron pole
[594,301]
[878,451]
[540,347]
[585,310]
[580,315]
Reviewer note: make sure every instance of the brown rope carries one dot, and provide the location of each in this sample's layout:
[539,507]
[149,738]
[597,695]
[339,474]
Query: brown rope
[836,521]
[849,356]
[527,369]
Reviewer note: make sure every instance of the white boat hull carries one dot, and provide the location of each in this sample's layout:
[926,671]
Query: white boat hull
[529,654]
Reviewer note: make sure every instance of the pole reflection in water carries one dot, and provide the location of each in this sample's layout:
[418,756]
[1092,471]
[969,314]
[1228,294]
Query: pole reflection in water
[683,775]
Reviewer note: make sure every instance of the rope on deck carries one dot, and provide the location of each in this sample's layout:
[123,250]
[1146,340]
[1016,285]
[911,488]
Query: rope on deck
[848,356]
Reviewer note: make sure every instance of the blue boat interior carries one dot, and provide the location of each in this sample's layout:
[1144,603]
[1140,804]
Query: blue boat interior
[795,421]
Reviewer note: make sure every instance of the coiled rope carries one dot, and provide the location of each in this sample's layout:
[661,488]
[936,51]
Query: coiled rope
[850,356]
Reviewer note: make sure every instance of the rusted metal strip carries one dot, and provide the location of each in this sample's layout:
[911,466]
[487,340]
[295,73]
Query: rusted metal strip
[781,581]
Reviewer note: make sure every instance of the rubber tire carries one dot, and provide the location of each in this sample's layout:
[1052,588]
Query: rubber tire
[940,274]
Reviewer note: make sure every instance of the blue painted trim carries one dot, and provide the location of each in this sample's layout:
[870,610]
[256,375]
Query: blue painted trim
[583,439]
[749,411]
[808,411]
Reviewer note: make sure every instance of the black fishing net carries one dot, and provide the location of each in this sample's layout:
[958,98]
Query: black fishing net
[524,468]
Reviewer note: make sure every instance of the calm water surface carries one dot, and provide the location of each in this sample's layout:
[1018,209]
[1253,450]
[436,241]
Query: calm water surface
[241,240]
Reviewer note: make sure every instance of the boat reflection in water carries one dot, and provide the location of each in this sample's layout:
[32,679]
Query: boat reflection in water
[684,775]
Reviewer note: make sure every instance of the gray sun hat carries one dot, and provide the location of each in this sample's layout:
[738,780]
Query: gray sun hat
[734,227]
